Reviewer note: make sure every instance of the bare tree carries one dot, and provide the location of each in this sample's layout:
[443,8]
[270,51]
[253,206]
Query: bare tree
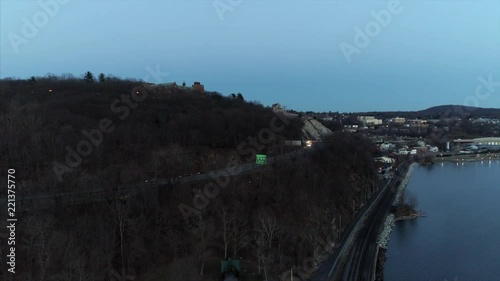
[136,247]
[121,212]
[267,227]
[240,231]
[227,220]
[234,232]
[42,229]
[29,224]
[106,245]
[259,250]
[266,231]
[203,230]
[80,270]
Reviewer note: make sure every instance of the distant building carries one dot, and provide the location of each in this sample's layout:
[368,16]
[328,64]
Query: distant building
[398,120]
[169,85]
[487,143]
[197,86]
[433,149]
[172,87]
[351,128]
[421,143]
[369,120]
[277,107]
[385,160]
[419,150]
[418,123]
[404,151]
[164,88]
[387,146]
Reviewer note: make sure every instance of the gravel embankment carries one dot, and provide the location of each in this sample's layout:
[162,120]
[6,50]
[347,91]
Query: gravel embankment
[385,235]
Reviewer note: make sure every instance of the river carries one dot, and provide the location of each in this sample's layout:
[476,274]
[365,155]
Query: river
[459,240]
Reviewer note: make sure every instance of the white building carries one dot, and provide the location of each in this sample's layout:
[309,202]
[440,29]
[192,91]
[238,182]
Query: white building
[369,120]
[487,143]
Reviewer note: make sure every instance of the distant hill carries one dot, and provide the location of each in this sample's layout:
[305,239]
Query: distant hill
[442,111]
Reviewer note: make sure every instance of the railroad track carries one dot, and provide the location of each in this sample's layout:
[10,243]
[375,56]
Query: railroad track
[360,262]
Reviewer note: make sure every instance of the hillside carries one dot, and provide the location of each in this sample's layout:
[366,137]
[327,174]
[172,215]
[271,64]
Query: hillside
[272,218]
[443,111]
[314,130]
[202,130]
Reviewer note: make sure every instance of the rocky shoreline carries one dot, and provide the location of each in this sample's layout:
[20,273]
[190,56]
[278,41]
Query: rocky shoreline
[410,217]
[383,239]
[385,235]
[404,183]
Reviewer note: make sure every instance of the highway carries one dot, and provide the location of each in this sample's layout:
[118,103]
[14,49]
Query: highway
[47,199]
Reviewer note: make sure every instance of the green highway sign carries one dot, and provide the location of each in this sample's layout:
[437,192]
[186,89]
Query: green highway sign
[261,159]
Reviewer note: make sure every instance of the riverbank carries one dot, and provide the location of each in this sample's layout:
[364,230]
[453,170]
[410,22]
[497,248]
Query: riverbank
[468,158]
[404,183]
[385,234]
[412,216]
[459,228]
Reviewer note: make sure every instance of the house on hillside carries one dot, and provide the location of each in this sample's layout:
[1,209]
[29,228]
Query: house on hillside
[197,86]
[172,87]
[165,88]
[277,107]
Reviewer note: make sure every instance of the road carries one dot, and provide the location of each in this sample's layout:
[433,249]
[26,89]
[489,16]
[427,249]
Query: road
[47,199]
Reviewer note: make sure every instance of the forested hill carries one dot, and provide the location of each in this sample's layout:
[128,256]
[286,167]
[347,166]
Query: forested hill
[41,118]
[271,218]
[443,111]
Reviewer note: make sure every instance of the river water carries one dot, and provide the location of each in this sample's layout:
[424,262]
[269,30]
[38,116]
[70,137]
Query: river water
[459,240]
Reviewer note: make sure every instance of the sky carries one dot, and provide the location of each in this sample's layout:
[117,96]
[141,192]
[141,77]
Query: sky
[318,55]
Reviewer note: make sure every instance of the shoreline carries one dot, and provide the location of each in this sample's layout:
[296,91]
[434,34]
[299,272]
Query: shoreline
[404,183]
[413,216]
[388,227]
[467,158]
[389,224]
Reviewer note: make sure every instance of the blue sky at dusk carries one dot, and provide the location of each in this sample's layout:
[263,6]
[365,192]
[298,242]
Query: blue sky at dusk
[429,53]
